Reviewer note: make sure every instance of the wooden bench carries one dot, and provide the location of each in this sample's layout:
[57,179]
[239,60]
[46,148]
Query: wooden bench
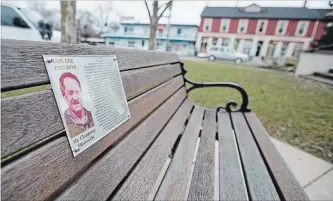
[170,149]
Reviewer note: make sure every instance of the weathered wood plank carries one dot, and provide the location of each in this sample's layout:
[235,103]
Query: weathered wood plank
[104,176]
[202,184]
[232,183]
[287,184]
[139,184]
[258,180]
[22,64]
[24,122]
[137,81]
[27,179]
[179,173]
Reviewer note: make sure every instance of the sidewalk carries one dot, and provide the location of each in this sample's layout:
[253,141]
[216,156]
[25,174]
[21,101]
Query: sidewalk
[314,174]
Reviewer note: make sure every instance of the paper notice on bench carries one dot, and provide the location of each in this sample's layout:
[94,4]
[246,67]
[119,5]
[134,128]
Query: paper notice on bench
[90,97]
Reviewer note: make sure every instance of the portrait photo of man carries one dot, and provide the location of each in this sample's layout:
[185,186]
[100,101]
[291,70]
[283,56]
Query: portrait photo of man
[78,118]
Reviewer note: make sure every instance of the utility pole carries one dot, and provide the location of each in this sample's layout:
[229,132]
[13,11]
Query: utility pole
[168,32]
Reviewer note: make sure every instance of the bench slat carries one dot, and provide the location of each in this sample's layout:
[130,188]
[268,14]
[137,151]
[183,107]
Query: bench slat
[202,185]
[177,178]
[259,182]
[22,68]
[26,122]
[103,176]
[25,178]
[232,184]
[284,178]
[137,81]
[139,184]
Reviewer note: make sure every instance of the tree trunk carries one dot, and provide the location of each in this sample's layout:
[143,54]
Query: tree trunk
[153,26]
[68,22]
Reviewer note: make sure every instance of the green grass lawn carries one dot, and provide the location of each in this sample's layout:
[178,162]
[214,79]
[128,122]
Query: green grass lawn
[292,109]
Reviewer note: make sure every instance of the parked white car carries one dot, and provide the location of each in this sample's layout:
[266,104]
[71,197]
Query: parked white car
[226,53]
[22,24]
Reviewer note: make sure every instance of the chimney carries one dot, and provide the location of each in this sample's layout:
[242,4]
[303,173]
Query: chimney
[304,5]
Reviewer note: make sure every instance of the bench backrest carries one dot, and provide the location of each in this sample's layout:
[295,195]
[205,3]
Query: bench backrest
[37,162]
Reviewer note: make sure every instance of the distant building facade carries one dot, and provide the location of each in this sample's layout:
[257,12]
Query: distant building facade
[278,32]
[136,35]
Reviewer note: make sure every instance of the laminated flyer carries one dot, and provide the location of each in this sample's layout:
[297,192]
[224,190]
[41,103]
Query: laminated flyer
[90,96]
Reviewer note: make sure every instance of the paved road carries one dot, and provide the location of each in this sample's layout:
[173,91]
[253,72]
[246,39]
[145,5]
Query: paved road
[255,62]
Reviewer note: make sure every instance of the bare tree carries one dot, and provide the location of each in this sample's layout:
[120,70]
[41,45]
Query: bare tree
[68,22]
[154,18]
[87,24]
[51,16]
[104,12]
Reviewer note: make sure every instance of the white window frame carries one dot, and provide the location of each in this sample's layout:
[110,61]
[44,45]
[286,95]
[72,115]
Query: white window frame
[299,27]
[207,22]
[228,24]
[286,22]
[264,28]
[131,41]
[245,27]
[228,42]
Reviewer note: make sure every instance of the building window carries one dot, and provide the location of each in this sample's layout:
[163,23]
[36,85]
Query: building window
[281,27]
[159,44]
[143,43]
[236,44]
[297,50]
[284,49]
[125,29]
[130,29]
[224,27]
[203,46]
[214,41]
[261,26]
[242,26]
[271,49]
[302,27]
[247,46]
[131,43]
[225,42]
[207,24]
[179,31]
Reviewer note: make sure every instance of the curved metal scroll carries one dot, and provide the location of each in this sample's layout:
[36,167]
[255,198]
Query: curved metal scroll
[230,104]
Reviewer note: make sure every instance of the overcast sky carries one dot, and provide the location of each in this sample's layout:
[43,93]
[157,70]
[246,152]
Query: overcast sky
[183,12]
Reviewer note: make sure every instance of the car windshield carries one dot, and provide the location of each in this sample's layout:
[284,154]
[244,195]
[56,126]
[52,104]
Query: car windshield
[32,16]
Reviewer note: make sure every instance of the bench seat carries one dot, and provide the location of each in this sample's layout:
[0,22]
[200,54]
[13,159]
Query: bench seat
[170,148]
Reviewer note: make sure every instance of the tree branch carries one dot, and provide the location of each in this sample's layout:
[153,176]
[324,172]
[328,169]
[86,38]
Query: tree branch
[162,5]
[166,7]
[148,11]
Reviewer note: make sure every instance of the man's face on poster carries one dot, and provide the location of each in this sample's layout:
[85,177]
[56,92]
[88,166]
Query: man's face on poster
[72,94]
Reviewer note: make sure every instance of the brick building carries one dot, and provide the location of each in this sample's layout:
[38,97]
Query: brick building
[261,31]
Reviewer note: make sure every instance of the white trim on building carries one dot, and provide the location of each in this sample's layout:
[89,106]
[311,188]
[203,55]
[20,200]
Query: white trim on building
[265,40]
[259,29]
[242,25]
[299,26]
[207,24]
[284,28]
[224,26]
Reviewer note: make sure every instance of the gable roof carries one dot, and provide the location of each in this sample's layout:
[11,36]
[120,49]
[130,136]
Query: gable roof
[266,13]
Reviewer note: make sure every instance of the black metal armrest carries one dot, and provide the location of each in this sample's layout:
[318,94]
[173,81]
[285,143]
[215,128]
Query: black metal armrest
[228,107]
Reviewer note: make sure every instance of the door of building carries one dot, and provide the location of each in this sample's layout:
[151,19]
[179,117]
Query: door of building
[259,45]
[203,46]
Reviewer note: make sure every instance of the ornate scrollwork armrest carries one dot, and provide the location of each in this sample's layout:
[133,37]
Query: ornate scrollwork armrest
[228,107]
